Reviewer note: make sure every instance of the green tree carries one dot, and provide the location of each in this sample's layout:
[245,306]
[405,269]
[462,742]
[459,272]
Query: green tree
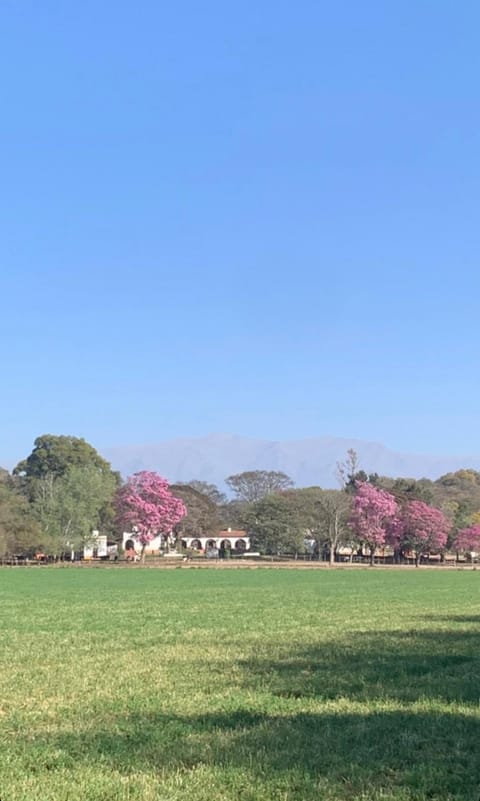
[348,473]
[235,514]
[51,460]
[277,524]
[19,531]
[69,507]
[323,516]
[205,488]
[54,455]
[458,495]
[253,485]
[202,518]
[334,509]
[410,489]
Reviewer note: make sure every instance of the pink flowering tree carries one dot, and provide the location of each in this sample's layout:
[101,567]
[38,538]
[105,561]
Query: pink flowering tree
[467,540]
[373,511]
[395,531]
[423,529]
[145,503]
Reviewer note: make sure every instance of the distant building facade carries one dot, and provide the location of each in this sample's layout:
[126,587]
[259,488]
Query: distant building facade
[235,540]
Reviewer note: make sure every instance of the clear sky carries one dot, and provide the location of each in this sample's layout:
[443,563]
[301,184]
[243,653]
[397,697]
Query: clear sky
[254,217]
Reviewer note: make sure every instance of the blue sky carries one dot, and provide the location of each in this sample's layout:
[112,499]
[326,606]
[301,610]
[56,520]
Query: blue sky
[259,218]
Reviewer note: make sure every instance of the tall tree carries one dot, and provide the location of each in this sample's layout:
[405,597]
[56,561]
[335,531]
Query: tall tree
[54,455]
[235,513]
[52,459]
[348,473]
[146,503]
[72,505]
[202,516]
[253,485]
[347,469]
[373,510]
[409,489]
[19,531]
[205,488]
[334,509]
[422,529]
[277,524]
[467,540]
[458,495]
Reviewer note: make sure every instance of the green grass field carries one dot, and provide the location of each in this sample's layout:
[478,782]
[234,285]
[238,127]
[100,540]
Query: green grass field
[265,685]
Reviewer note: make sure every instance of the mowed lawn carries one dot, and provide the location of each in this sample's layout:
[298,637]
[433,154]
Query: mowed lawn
[239,684]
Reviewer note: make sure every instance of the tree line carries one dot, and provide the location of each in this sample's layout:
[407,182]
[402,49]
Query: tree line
[53,500]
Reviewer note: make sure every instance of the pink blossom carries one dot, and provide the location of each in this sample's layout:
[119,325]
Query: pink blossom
[425,529]
[146,503]
[468,539]
[373,510]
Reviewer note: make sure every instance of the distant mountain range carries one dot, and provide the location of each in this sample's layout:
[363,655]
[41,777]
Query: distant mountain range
[307,461]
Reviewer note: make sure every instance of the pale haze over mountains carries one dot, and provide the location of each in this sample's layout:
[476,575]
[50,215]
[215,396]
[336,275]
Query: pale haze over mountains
[307,461]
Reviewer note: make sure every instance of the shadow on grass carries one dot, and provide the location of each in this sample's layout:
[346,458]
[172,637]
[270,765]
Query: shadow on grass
[400,666]
[415,753]
[379,755]
[453,618]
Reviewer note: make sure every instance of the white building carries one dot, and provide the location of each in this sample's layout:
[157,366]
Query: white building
[130,540]
[99,548]
[236,541]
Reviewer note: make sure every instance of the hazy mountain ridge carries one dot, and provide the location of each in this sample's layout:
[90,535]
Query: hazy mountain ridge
[308,461]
